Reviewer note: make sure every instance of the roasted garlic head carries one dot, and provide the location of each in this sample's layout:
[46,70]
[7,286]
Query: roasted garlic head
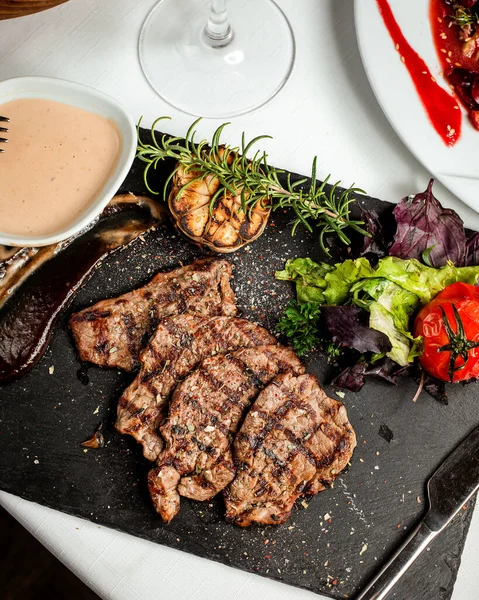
[223,227]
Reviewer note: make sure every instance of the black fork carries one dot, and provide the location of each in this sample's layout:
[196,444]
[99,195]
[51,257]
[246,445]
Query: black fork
[3,130]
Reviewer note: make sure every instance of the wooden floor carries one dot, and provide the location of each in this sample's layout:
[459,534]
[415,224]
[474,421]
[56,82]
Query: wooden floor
[29,572]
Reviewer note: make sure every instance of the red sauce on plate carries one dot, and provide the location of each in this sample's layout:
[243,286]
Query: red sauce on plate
[448,45]
[443,109]
[459,59]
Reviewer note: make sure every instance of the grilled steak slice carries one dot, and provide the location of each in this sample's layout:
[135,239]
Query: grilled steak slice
[178,345]
[294,440]
[112,332]
[204,415]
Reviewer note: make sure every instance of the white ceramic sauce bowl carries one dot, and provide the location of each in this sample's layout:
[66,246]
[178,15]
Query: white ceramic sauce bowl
[87,98]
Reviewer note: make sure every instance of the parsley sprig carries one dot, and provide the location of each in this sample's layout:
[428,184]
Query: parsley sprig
[299,324]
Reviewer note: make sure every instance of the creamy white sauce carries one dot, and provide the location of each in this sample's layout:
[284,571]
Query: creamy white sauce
[57,159]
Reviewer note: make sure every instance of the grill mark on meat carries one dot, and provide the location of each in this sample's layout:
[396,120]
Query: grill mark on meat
[92,315]
[285,449]
[170,297]
[178,345]
[203,447]
[274,422]
[179,430]
[230,396]
[214,338]
[195,289]
[202,287]
[182,306]
[223,385]
[282,364]
[252,333]
[252,378]
[139,411]
[102,339]
[166,364]
[172,326]
[208,415]
[202,267]
[130,327]
[257,444]
[143,418]
[297,443]
[281,464]
[186,339]
[101,346]
[323,426]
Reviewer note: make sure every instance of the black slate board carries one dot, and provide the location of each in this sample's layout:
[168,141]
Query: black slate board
[44,417]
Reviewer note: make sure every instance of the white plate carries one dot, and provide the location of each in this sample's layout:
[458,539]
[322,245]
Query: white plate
[90,99]
[457,167]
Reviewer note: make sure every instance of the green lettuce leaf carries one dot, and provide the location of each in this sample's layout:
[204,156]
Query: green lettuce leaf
[425,282]
[382,320]
[309,278]
[343,277]
[335,285]
[399,302]
[390,308]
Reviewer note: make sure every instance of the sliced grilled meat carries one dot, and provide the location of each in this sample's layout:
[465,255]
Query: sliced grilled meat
[204,414]
[113,332]
[178,345]
[294,440]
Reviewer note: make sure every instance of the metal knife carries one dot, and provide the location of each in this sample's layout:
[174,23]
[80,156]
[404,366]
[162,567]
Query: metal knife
[452,485]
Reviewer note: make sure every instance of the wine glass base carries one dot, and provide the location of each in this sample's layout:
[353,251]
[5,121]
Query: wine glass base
[216,82]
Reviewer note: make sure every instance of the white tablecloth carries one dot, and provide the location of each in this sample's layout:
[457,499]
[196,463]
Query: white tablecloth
[326,108]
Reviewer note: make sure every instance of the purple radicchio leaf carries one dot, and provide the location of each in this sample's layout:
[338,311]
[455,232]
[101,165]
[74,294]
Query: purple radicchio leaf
[353,378]
[373,244]
[347,326]
[422,223]
[472,251]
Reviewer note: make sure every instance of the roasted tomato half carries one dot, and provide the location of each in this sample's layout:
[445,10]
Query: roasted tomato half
[450,328]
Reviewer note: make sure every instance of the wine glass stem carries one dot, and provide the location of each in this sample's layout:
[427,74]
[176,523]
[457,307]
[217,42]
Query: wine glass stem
[218,32]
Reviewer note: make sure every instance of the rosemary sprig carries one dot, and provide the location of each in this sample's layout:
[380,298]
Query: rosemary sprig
[253,179]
